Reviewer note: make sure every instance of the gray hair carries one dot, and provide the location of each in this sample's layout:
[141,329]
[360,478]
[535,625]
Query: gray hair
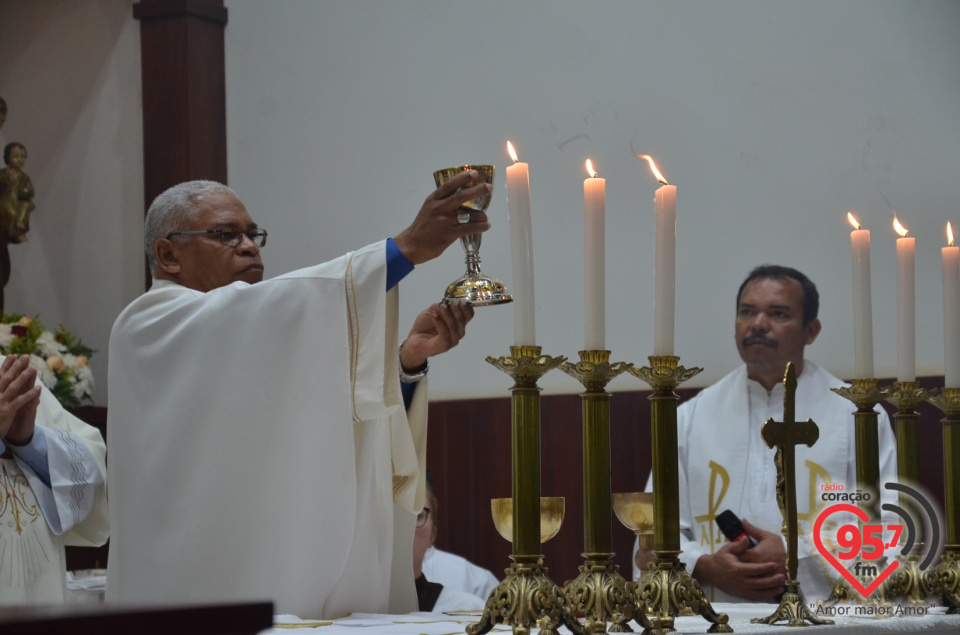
[171,211]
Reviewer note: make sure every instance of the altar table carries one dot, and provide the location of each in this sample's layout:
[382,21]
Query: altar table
[935,621]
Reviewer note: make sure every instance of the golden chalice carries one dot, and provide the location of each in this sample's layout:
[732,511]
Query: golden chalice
[551,516]
[635,511]
[473,287]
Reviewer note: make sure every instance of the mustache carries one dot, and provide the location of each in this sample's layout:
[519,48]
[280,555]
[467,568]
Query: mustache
[759,339]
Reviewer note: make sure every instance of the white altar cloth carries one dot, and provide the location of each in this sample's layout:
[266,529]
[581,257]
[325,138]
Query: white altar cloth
[935,621]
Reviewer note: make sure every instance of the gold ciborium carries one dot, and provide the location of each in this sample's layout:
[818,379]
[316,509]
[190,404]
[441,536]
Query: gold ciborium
[551,516]
[473,287]
[635,511]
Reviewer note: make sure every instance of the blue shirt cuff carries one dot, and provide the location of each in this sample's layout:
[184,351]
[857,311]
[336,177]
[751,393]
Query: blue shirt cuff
[34,454]
[397,264]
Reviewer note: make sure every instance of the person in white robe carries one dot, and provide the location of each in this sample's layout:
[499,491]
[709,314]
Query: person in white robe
[52,488]
[433,595]
[456,572]
[259,443]
[724,463]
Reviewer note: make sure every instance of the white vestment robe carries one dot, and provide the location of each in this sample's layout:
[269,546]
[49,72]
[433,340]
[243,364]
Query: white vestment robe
[457,573]
[724,464]
[258,442]
[37,520]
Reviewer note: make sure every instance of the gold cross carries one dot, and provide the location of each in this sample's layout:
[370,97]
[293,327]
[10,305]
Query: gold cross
[785,436]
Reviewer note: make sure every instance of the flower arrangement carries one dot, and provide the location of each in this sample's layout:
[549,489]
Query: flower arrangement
[61,359]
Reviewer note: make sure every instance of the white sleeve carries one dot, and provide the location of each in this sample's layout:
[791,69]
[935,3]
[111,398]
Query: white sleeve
[77,480]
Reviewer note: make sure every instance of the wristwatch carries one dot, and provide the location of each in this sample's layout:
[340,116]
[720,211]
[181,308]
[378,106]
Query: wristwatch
[415,376]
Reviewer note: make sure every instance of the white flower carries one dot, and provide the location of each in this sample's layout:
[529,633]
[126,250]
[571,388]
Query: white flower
[6,335]
[49,345]
[84,382]
[44,374]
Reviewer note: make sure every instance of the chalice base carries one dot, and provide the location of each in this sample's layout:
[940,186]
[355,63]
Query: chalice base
[527,599]
[669,591]
[603,595]
[476,289]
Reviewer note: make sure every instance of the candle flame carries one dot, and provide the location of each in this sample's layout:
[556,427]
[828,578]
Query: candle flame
[949,234]
[853,220]
[512,152]
[590,170]
[653,168]
[900,229]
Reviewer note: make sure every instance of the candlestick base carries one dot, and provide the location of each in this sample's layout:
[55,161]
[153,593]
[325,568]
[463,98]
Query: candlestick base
[909,582]
[944,579]
[601,594]
[669,591]
[525,599]
[792,610]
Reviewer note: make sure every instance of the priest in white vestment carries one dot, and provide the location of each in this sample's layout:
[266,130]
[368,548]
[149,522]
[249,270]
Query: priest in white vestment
[724,463]
[259,444]
[52,488]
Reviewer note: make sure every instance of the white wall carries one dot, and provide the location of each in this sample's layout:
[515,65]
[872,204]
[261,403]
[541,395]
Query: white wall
[70,73]
[773,119]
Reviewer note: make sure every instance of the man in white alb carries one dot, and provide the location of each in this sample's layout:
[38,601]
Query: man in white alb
[724,463]
[258,439]
[52,487]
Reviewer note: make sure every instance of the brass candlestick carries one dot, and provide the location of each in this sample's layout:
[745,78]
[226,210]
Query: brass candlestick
[526,598]
[785,436]
[865,394]
[599,592]
[908,582]
[945,578]
[667,588]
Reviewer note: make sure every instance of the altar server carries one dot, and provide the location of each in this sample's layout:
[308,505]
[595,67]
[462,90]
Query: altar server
[52,487]
[724,463]
[259,444]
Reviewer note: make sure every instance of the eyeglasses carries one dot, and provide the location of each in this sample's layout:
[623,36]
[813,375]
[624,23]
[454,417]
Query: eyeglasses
[422,517]
[229,238]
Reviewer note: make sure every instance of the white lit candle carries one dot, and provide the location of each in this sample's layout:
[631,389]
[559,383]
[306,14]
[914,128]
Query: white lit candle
[950,256]
[594,261]
[862,303]
[906,304]
[521,249]
[665,262]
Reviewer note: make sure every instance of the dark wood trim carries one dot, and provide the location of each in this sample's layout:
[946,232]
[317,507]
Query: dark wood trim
[79,619]
[184,93]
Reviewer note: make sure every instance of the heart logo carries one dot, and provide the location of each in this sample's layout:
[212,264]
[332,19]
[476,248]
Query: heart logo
[818,541]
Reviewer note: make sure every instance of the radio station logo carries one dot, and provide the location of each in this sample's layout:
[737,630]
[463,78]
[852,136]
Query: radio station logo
[861,545]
